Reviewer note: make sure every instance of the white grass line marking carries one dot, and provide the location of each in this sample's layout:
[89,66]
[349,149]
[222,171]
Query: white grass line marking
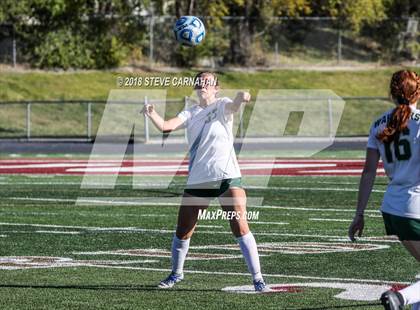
[265,275]
[326,189]
[368,239]
[375,216]
[104,200]
[110,201]
[47,225]
[58,232]
[42,199]
[82,201]
[311,209]
[305,181]
[330,220]
[269,223]
[81,213]
[3,236]
[210,226]
[299,248]
[166,231]
[163,253]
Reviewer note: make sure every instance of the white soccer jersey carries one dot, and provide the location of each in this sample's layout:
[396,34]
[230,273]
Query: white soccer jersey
[401,160]
[210,138]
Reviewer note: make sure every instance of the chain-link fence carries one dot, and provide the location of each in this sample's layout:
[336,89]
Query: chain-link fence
[276,43]
[290,41]
[81,119]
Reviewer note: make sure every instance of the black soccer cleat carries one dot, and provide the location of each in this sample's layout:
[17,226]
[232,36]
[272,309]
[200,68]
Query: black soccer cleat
[392,300]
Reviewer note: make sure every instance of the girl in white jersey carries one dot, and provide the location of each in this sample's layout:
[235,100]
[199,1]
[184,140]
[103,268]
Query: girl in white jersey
[213,172]
[395,137]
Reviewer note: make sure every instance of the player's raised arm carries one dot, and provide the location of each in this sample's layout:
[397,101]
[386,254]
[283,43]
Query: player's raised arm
[241,97]
[162,125]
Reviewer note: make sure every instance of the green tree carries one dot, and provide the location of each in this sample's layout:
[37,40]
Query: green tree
[77,33]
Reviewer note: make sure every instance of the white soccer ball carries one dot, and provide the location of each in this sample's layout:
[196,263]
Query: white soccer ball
[189,30]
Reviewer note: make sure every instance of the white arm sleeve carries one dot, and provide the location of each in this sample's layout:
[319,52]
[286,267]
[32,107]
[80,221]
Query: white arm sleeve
[227,115]
[185,116]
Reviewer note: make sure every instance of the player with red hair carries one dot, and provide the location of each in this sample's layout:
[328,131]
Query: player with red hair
[395,137]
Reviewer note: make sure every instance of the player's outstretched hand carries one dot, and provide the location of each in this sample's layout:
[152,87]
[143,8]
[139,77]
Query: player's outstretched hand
[148,109]
[356,227]
[243,96]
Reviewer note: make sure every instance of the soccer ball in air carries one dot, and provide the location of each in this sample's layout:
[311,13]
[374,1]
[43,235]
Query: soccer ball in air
[189,30]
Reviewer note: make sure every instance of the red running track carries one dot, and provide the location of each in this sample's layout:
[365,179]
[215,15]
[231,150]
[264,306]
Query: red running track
[278,167]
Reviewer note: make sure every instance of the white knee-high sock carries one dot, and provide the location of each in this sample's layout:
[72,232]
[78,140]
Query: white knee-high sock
[411,293]
[179,253]
[250,252]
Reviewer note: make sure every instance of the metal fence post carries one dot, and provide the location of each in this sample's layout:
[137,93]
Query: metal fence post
[89,121]
[146,123]
[14,48]
[241,121]
[151,29]
[330,120]
[185,107]
[28,120]
[339,47]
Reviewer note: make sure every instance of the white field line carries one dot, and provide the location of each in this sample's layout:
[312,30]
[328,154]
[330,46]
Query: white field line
[269,223]
[210,226]
[164,203]
[375,216]
[42,199]
[58,232]
[3,236]
[166,231]
[149,185]
[311,209]
[367,239]
[81,213]
[35,176]
[103,200]
[136,202]
[165,254]
[327,189]
[265,275]
[338,220]
[330,220]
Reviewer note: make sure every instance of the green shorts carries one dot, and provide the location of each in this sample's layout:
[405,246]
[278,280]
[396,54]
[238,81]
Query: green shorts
[403,227]
[212,189]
